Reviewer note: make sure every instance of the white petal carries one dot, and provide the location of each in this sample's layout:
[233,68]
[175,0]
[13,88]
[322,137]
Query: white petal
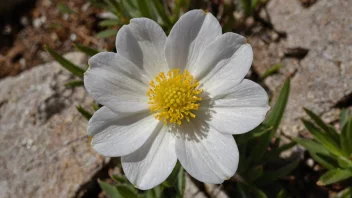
[151,164]
[217,54]
[192,32]
[226,62]
[116,83]
[206,154]
[238,112]
[120,134]
[142,42]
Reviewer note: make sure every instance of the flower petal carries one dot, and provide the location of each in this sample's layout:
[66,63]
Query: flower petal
[223,64]
[116,83]
[142,42]
[206,154]
[151,164]
[238,112]
[120,134]
[192,32]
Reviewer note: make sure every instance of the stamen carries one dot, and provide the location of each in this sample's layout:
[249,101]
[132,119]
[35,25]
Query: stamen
[173,97]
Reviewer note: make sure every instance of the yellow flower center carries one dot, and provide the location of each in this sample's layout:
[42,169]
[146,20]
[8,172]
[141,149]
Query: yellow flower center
[173,97]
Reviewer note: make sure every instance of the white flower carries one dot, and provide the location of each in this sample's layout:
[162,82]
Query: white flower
[177,97]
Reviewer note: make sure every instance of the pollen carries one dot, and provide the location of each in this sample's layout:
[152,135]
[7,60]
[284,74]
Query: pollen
[174,97]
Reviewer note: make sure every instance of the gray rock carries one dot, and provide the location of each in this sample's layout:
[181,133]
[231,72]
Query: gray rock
[44,149]
[324,76]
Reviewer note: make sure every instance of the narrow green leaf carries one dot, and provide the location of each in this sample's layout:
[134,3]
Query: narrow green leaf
[107,33]
[161,11]
[312,146]
[327,161]
[109,189]
[74,69]
[269,177]
[344,117]
[85,49]
[258,193]
[181,183]
[64,9]
[95,106]
[172,179]
[346,193]
[254,173]
[273,119]
[144,8]
[272,70]
[113,7]
[127,191]
[277,111]
[346,137]
[334,176]
[74,83]
[84,112]
[275,153]
[323,138]
[344,162]
[327,129]
[119,178]
[254,4]
[242,190]
[282,194]
[110,22]
[255,133]
[176,11]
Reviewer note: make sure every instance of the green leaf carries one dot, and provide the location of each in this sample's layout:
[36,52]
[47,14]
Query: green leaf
[275,153]
[334,176]
[172,179]
[64,9]
[156,192]
[254,173]
[346,193]
[127,191]
[144,8]
[276,113]
[74,83]
[323,138]
[258,193]
[255,133]
[120,178]
[282,194]
[346,137]
[95,106]
[85,49]
[242,190]
[110,190]
[181,183]
[312,146]
[107,33]
[161,11]
[110,22]
[84,112]
[273,119]
[344,117]
[269,177]
[327,129]
[74,69]
[272,70]
[327,161]
[344,162]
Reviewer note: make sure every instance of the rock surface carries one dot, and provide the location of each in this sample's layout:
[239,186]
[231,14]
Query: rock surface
[44,150]
[324,76]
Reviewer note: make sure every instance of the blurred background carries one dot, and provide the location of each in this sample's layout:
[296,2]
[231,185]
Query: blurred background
[44,151]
